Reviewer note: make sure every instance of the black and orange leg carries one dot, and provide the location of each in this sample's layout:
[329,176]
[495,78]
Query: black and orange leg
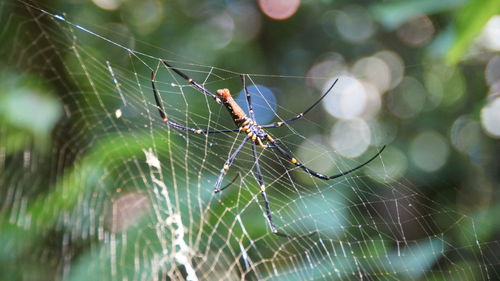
[227,165]
[177,125]
[197,131]
[193,83]
[267,207]
[249,99]
[294,161]
[298,116]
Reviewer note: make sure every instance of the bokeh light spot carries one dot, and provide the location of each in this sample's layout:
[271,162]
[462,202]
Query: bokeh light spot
[491,34]
[446,86]
[396,66]
[383,132]
[351,138]
[223,27]
[408,99]
[349,98]
[392,167]
[373,70]
[373,101]
[465,134]
[315,155]
[279,9]
[331,66]
[429,151]
[355,24]
[247,21]
[107,4]
[44,110]
[146,16]
[416,32]
[490,118]
[263,102]
[492,71]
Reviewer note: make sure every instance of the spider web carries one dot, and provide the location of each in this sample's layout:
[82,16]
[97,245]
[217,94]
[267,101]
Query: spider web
[114,194]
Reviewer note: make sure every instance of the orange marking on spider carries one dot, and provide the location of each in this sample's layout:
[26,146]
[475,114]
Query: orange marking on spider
[237,112]
[261,144]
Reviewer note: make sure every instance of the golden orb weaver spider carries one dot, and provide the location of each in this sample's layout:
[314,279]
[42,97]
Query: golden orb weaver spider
[254,133]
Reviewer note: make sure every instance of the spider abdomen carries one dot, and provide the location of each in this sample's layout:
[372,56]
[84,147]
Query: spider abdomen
[245,124]
[238,114]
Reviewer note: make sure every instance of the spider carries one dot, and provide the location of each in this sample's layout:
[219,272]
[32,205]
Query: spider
[255,133]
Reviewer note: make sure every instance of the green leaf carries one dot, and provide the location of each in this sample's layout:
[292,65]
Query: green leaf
[394,13]
[470,21]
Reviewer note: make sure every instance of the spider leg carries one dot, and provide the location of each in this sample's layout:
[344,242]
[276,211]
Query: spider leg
[294,161]
[198,131]
[177,125]
[195,84]
[230,183]
[298,116]
[249,99]
[267,207]
[228,164]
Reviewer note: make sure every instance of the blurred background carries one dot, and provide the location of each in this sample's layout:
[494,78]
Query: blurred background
[421,76]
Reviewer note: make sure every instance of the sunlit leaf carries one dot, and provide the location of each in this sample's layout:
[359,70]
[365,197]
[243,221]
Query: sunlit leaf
[470,21]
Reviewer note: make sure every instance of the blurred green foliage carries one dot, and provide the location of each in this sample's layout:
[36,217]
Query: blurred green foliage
[63,155]
[469,23]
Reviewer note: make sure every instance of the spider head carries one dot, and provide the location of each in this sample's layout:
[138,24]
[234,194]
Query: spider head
[224,93]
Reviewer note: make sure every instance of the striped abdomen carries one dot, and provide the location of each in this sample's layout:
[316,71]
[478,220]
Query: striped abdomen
[239,116]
